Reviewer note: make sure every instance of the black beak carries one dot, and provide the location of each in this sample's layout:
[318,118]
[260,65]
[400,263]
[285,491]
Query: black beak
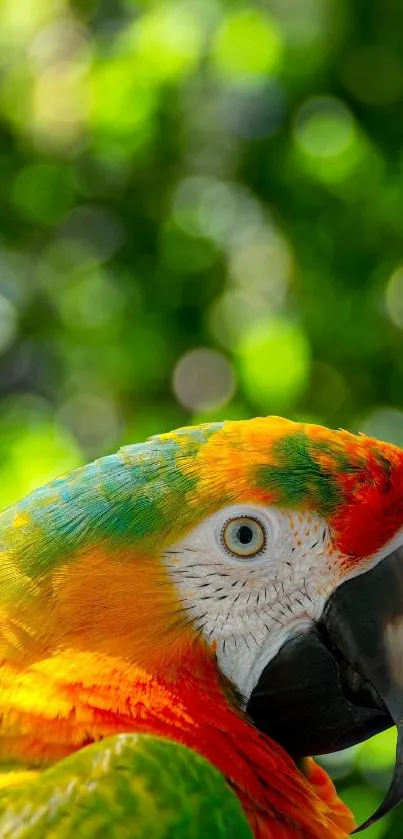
[341,681]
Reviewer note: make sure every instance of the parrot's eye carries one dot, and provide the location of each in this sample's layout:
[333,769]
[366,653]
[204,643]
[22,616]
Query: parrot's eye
[243,537]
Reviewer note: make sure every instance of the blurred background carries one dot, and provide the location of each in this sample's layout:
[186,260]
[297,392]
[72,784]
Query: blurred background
[201,217]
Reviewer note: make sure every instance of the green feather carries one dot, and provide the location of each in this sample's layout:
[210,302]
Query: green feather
[125,787]
[297,476]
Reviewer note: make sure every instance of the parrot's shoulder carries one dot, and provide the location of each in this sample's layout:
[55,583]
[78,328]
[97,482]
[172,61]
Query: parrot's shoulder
[125,787]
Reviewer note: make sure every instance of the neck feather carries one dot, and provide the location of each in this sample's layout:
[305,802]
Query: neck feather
[75,698]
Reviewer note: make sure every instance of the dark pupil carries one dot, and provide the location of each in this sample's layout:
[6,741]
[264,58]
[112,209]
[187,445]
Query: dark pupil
[245,534]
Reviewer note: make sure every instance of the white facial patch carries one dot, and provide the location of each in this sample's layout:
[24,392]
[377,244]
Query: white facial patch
[250,577]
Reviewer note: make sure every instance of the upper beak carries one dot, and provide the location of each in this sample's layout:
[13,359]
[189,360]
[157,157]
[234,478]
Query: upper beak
[342,681]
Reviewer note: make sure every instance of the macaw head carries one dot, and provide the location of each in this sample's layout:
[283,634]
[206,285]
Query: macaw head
[277,546]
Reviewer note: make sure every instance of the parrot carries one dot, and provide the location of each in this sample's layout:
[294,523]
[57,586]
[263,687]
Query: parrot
[185,622]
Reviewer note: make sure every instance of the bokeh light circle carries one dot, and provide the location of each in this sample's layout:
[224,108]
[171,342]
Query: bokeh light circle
[394,297]
[203,380]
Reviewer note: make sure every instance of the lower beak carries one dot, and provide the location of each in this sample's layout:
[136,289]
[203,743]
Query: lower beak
[341,681]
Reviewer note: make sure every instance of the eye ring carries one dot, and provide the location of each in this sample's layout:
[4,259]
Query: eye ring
[243,537]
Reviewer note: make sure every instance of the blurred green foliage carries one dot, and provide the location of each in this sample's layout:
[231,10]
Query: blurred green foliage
[201,208]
